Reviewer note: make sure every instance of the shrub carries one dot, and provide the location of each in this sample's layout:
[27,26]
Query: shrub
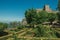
[44,31]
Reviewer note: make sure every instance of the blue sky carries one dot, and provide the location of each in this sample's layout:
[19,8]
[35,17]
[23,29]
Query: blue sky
[13,10]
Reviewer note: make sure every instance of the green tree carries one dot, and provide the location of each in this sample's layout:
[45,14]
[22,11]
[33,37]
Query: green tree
[59,5]
[16,24]
[59,11]
[31,16]
[13,24]
[3,26]
[42,17]
[52,17]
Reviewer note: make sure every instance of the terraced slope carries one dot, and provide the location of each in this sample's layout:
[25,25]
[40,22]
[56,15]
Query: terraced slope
[20,37]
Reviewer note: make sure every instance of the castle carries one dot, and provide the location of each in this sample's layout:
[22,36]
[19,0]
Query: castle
[47,9]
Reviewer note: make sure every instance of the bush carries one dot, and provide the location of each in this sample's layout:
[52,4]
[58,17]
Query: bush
[44,31]
[20,27]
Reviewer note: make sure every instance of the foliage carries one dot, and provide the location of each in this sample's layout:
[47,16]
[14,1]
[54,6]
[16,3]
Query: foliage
[15,37]
[59,11]
[3,26]
[42,17]
[44,31]
[52,17]
[33,17]
[13,24]
[30,15]
[59,5]
[16,24]
[20,27]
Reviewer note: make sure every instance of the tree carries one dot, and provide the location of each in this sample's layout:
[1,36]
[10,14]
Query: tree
[3,26]
[34,18]
[31,16]
[52,17]
[42,17]
[59,5]
[59,11]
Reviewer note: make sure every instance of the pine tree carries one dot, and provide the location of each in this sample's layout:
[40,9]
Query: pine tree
[58,14]
[59,5]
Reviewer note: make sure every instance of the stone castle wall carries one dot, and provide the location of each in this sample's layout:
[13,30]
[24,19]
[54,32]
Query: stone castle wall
[47,9]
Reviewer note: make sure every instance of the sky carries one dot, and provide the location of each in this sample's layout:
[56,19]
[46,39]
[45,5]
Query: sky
[13,10]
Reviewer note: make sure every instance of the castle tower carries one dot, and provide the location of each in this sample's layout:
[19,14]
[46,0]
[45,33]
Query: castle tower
[47,8]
